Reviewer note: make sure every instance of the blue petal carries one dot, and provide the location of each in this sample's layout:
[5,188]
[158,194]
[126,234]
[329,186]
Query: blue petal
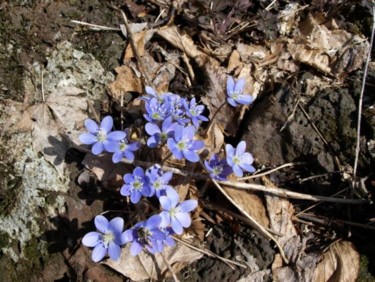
[191,156]
[188,205]
[157,234]
[244,99]
[91,126]
[230,84]
[107,124]
[150,91]
[135,196]
[98,253]
[241,147]
[247,158]
[189,132]
[153,141]
[229,150]
[138,171]
[152,128]
[237,171]
[114,251]
[87,138]
[116,135]
[166,177]
[177,154]
[101,223]
[135,248]
[170,241]
[128,178]
[165,203]
[197,145]
[97,148]
[176,226]
[167,123]
[153,222]
[174,197]
[91,239]
[111,146]
[165,218]
[129,155]
[232,102]
[116,224]
[247,167]
[183,218]
[117,157]
[240,85]
[127,236]
[125,190]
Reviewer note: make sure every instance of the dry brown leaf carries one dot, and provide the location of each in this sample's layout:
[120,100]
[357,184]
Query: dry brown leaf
[148,266]
[140,39]
[280,212]
[333,52]
[110,174]
[183,42]
[250,203]
[51,122]
[215,138]
[126,81]
[234,63]
[339,263]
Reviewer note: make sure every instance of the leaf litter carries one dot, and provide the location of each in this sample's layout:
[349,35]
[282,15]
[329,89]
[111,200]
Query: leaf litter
[300,40]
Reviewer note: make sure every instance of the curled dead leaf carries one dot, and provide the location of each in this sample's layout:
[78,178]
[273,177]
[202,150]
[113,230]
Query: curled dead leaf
[339,263]
[148,266]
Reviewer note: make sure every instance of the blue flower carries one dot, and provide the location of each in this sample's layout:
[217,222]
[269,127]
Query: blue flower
[176,108]
[182,144]
[136,185]
[235,92]
[151,93]
[107,240]
[219,169]
[145,234]
[124,148]
[194,112]
[238,159]
[158,245]
[159,136]
[159,180]
[174,214]
[101,136]
[156,110]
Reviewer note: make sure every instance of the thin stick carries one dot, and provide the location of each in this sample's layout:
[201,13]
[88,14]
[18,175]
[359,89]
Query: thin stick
[327,221]
[290,194]
[271,171]
[211,254]
[95,26]
[357,148]
[317,204]
[134,48]
[169,267]
[247,186]
[254,223]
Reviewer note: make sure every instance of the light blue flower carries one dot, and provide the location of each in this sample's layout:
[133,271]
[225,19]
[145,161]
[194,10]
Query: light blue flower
[107,240]
[235,93]
[238,159]
[182,145]
[174,214]
[136,185]
[101,136]
[194,112]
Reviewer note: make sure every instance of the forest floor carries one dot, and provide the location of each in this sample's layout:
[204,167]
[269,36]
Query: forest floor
[306,214]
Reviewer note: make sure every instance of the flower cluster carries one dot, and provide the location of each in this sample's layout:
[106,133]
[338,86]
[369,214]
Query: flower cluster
[171,121]
[104,139]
